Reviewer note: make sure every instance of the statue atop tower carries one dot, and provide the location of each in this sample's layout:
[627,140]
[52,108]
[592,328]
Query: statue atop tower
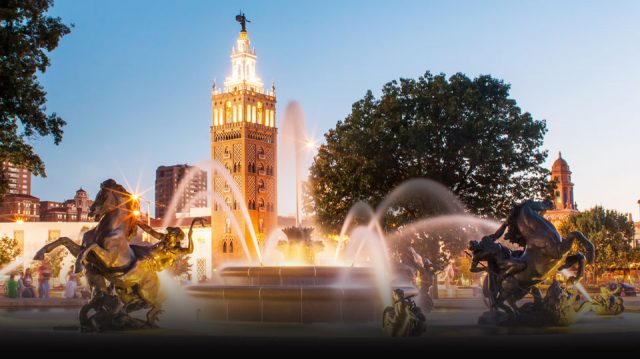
[243,21]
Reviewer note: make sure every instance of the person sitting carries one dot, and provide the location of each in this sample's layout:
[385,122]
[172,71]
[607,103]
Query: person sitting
[27,290]
[11,288]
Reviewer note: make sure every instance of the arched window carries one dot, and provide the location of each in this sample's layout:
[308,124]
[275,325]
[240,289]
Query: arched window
[230,245]
[261,204]
[227,225]
[259,114]
[224,246]
[229,113]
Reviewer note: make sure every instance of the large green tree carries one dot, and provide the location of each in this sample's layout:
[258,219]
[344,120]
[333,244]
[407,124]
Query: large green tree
[611,233]
[467,134]
[27,35]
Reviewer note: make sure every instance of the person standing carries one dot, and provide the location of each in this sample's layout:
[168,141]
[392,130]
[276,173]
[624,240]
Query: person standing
[71,286]
[44,274]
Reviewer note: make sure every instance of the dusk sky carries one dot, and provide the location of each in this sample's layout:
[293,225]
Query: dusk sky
[133,78]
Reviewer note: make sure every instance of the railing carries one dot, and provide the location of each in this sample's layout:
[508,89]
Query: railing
[262,172]
[262,209]
[262,190]
[261,156]
[226,155]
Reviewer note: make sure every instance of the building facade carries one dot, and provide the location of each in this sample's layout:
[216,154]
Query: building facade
[168,179]
[18,178]
[244,144]
[71,210]
[20,208]
[564,201]
[18,203]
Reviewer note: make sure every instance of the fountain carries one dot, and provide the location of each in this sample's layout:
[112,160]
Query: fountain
[302,277]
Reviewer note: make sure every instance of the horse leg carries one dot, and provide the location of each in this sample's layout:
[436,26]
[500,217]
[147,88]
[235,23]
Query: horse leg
[583,241]
[570,262]
[537,295]
[67,242]
[500,303]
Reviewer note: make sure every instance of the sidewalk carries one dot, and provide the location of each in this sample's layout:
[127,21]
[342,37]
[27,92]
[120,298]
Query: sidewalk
[22,303]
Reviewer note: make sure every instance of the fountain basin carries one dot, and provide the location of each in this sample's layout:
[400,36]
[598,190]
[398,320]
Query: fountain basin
[292,295]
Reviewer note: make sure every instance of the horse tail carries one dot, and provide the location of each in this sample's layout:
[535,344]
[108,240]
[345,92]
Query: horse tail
[585,243]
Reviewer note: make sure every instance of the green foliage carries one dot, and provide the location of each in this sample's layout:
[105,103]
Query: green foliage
[9,249]
[611,233]
[27,35]
[181,267]
[464,133]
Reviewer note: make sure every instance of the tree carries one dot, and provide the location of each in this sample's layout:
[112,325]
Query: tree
[9,249]
[611,233]
[181,268]
[27,35]
[467,134]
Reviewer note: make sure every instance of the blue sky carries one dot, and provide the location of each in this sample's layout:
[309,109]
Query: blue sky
[133,78]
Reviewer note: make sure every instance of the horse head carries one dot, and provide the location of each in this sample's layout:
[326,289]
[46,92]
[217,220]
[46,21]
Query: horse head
[114,197]
[484,249]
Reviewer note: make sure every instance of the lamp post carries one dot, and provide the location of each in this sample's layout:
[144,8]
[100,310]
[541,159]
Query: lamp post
[139,199]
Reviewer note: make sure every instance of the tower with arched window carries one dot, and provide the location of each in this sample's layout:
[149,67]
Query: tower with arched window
[564,202]
[243,139]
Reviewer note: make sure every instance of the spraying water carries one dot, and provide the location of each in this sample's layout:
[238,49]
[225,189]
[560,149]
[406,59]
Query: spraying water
[220,169]
[11,266]
[577,285]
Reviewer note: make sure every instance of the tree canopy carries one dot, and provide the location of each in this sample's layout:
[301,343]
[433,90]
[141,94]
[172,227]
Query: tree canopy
[9,249]
[467,134]
[27,35]
[610,231]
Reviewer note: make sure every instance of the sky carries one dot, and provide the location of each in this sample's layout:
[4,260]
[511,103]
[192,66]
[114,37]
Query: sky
[133,78]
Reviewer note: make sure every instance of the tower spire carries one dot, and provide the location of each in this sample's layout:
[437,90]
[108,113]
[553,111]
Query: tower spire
[243,62]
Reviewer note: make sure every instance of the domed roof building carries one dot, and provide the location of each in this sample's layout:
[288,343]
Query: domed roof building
[563,200]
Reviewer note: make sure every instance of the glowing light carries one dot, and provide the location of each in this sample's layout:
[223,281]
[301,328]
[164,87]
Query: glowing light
[19,221]
[310,143]
[136,213]
[135,197]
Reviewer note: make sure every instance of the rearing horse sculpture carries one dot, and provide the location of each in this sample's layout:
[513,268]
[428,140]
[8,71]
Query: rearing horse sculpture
[105,249]
[545,252]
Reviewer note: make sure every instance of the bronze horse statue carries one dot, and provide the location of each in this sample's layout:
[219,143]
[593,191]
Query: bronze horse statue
[105,249]
[513,275]
[113,265]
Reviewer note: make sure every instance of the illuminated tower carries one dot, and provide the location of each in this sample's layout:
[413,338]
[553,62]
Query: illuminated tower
[564,187]
[243,139]
[564,202]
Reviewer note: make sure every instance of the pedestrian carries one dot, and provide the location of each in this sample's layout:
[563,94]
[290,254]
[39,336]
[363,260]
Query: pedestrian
[44,274]
[71,286]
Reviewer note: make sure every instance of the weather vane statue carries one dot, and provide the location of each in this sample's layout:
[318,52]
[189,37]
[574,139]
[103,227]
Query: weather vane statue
[242,20]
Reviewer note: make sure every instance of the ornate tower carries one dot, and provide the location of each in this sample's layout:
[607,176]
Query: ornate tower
[565,205]
[243,140]
[564,187]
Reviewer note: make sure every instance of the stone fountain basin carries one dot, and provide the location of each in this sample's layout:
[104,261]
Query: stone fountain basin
[292,295]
